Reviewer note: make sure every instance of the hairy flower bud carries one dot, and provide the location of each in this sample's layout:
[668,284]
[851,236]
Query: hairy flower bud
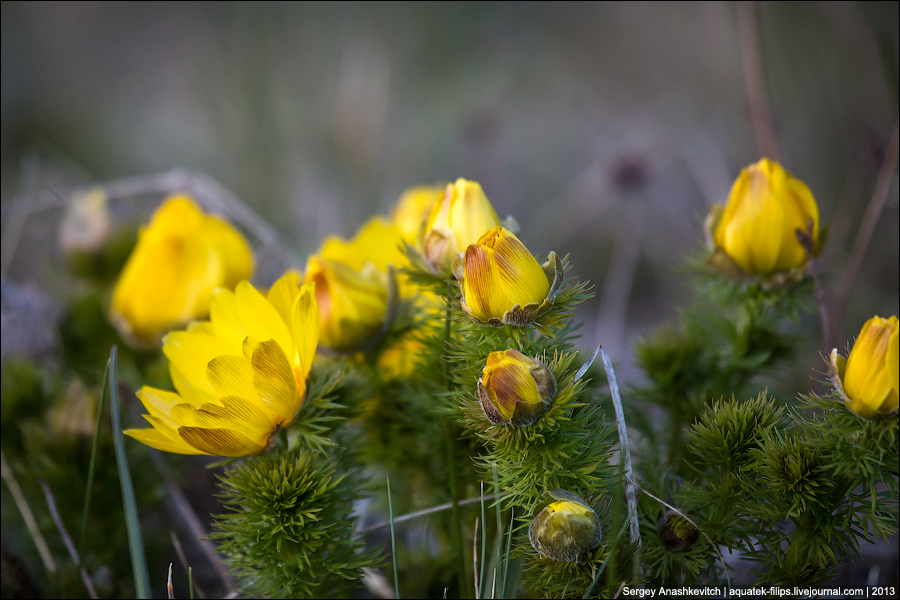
[769,227]
[676,532]
[457,219]
[565,529]
[515,389]
[180,258]
[867,380]
[502,283]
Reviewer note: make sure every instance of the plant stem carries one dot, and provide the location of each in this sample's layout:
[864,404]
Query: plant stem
[451,463]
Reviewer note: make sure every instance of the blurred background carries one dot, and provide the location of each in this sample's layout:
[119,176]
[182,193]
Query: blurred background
[606,129]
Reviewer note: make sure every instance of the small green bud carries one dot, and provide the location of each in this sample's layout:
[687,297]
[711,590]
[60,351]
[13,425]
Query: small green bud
[676,532]
[565,529]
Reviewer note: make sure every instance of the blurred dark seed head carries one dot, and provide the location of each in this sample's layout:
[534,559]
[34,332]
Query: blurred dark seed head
[630,173]
[29,322]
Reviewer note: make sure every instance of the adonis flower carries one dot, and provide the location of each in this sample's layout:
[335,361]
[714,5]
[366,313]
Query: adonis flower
[238,376]
[180,258]
[502,283]
[869,379]
[565,529]
[515,389]
[757,232]
[457,219]
[413,208]
[355,285]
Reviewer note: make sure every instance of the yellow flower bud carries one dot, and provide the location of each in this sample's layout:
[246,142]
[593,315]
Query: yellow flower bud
[502,283]
[458,219]
[565,529]
[867,380]
[413,208]
[352,304]
[676,533]
[757,232]
[179,259]
[515,389]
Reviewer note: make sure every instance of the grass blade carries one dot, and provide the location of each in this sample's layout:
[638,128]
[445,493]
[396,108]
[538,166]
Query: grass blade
[132,524]
[393,539]
[92,469]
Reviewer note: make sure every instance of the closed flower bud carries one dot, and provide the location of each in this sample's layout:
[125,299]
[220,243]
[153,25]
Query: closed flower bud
[676,532]
[759,232]
[352,304]
[515,389]
[179,259]
[867,380]
[502,283]
[565,529]
[457,219]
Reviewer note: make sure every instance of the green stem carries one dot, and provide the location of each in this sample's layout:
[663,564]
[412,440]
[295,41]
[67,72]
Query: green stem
[451,465]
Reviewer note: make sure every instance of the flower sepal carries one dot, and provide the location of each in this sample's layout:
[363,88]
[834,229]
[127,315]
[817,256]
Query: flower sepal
[518,315]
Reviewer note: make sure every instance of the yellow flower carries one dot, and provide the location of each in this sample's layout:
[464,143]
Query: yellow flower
[377,242]
[757,231]
[515,389]
[352,304]
[401,358]
[238,376]
[565,529]
[179,259]
[458,219]
[502,283]
[867,380]
[413,208]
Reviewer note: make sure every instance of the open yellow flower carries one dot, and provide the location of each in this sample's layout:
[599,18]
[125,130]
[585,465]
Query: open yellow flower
[515,389]
[238,376]
[868,380]
[458,219]
[502,283]
[179,259]
[757,232]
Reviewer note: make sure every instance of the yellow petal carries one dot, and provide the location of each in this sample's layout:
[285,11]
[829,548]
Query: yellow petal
[155,439]
[484,296]
[231,376]
[219,442]
[273,379]
[283,294]
[893,358]
[305,325]
[522,278]
[238,414]
[192,352]
[259,318]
